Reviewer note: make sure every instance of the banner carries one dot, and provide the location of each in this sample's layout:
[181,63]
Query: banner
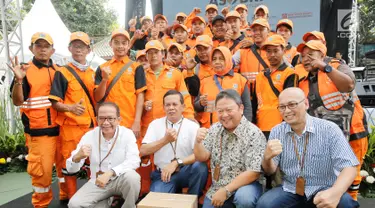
[334,23]
[305,14]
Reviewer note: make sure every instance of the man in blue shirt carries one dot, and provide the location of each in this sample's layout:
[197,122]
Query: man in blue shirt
[314,155]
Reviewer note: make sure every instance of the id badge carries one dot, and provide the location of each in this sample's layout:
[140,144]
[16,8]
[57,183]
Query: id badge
[217,172]
[300,186]
[99,173]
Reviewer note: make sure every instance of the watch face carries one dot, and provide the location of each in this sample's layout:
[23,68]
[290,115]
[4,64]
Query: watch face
[328,69]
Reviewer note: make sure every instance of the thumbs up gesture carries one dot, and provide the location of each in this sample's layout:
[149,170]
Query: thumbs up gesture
[78,108]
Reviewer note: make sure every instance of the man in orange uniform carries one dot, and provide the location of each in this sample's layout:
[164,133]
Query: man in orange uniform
[219,30]
[245,25]
[285,28]
[211,13]
[130,86]
[181,37]
[30,90]
[161,78]
[329,88]
[270,83]
[252,60]
[234,35]
[76,110]
[198,25]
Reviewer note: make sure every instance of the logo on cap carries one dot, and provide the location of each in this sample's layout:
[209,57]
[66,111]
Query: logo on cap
[201,38]
[42,35]
[152,44]
[79,34]
[270,39]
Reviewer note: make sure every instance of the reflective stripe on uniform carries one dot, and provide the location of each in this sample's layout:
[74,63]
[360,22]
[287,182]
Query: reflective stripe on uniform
[354,187]
[36,102]
[65,172]
[62,180]
[41,190]
[324,97]
[250,75]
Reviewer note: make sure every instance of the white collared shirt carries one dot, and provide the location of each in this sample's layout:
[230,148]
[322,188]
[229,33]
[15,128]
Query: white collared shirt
[185,141]
[123,157]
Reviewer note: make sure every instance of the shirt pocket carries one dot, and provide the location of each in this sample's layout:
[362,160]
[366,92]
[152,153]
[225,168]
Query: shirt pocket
[127,82]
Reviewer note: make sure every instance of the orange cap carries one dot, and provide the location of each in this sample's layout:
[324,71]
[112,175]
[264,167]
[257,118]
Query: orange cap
[317,34]
[232,14]
[178,46]
[120,31]
[260,21]
[211,6]
[140,53]
[180,26]
[181,14]
[145,18]
[274,40]
[285,22]
[203,40]
[158,16]
[198,18]
[316,45]
[154,44]
[242,6]
[80,36]
[264,7]
[43,36]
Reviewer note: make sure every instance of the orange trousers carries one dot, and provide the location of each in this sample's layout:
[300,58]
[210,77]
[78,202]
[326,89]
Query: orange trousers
[359,148]
[41,157]
[70,137]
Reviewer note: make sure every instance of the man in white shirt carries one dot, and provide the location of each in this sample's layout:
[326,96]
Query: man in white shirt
[171,139]
[114,156]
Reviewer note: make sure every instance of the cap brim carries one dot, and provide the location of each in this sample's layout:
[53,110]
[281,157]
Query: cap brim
[48,41]
[202,44]
[79,40]
[269,44]
[115,35]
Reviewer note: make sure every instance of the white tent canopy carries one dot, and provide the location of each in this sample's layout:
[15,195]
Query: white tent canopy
[44,18]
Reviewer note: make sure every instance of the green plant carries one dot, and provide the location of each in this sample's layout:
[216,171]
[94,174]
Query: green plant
[12,139]
[367,188]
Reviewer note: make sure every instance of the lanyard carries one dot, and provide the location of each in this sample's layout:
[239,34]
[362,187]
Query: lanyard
[301,162]
[109,152]
[174,148]
[217,83]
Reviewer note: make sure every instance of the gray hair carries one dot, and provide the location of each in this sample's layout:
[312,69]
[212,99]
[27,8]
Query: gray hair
[229,94]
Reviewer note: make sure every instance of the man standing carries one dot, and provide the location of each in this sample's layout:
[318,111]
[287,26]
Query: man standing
[72,96]
[317,161]
[234,35]
[285,28]
[235,147]
[30,90]
[271,82]
[171,139]
[122,78]
[114,156]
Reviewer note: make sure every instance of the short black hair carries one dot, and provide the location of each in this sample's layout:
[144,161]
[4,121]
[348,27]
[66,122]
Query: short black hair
[230,94]
[174,92]
[109,104]
[287,26]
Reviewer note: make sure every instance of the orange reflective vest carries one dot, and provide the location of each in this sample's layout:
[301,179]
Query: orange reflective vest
[268,115]
[210,88]
[250,65]
[73,94]
[342,108]
[37,114]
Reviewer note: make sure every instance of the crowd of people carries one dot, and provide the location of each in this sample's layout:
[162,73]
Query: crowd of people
[203,106]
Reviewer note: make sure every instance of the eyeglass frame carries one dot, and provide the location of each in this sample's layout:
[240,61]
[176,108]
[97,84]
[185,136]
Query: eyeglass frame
[295,104]
[107,119]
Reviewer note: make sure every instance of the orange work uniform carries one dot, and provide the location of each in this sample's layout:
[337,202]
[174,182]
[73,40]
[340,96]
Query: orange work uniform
[267,114]
[41,130]
[124,93]
[67,90]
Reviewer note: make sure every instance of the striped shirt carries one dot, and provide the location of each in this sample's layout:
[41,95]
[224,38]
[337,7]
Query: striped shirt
[328,152]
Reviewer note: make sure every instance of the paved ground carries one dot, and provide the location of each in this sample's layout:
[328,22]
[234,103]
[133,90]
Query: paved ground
[15,191]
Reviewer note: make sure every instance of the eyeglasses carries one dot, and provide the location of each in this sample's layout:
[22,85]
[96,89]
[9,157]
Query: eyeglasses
[109,119]
[291,105]
[79,46]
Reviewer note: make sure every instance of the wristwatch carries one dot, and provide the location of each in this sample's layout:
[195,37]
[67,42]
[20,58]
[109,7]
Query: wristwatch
[180,162]
[327,69]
